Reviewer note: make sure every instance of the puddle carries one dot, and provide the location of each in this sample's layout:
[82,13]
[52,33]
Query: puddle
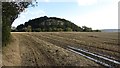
[92,56]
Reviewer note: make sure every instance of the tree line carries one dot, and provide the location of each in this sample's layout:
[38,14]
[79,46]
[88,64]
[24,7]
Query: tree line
[51,24]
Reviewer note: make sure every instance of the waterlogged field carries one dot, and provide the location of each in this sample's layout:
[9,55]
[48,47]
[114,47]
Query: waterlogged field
[51,48]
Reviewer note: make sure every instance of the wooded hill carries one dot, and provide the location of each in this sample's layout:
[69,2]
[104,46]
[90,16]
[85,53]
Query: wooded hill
[50,24]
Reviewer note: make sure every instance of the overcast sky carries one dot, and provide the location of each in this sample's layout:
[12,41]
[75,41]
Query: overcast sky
[97,14]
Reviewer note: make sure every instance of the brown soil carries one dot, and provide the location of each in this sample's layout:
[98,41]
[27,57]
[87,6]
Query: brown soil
[31,49]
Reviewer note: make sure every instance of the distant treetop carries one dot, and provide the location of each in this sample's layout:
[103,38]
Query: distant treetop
[51,24]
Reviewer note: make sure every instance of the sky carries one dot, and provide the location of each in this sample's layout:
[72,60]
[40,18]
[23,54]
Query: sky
[97,14]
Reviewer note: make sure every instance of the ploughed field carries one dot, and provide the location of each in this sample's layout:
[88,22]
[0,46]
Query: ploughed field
[53,48]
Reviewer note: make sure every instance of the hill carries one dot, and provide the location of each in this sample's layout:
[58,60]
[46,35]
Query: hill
[51,24]
[110,30]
